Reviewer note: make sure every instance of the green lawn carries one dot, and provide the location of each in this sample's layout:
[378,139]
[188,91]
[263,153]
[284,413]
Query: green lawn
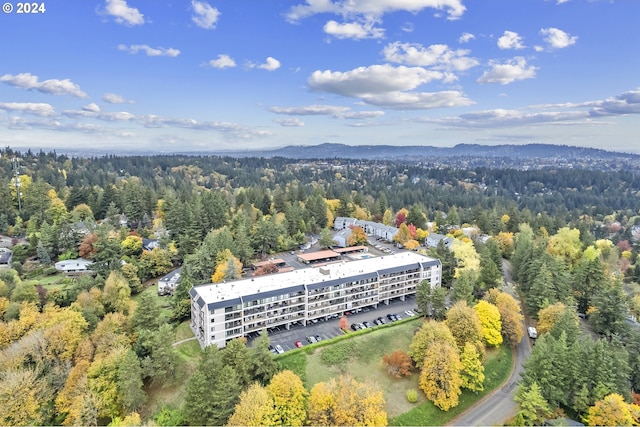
[361,357]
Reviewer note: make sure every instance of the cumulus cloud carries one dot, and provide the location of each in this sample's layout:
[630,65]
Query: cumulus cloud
[387,86]
[557,39]
[510,40]
[114,98]
[36,108]
[509,72]
[437,56]
[52,86]
[222,61]
[373,8]
[205,16]
[353,30]
[123,13]
[150,51]
[466,38]
[363,81]
[271,64]
[293,122]
[93,108]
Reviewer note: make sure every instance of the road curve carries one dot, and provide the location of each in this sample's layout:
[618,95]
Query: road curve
[499,406]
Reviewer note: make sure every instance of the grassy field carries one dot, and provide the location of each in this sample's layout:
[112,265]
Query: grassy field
[361,357]
[497,370]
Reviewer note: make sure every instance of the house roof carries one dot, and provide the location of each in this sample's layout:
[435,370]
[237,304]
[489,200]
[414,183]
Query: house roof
[5,255]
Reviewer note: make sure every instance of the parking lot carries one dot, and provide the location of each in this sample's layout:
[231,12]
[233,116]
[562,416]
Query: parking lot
[331,328]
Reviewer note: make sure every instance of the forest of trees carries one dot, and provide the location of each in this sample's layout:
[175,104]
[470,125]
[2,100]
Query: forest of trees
[88,354]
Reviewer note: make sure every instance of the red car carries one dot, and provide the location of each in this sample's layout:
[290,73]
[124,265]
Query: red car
[298,344]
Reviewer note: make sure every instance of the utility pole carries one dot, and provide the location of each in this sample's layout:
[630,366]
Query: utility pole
[17,183]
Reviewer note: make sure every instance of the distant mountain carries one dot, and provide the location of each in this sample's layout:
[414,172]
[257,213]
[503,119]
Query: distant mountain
[390,152]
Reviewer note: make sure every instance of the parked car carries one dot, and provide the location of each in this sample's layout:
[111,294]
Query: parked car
[366,324]
[272,349]
[311,339]
[355,327]
[377,322]
[381,320]
[317,337]
[298,343]
[409,313]
[279,349]
[391,317]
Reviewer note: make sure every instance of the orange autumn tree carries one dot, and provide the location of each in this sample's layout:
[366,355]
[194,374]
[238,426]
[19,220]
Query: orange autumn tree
[397,363]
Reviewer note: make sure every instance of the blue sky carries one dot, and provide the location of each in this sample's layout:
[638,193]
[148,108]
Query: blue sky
[254,74]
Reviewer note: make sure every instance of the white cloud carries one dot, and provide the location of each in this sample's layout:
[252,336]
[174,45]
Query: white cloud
[206,16]
[310,110]
[510,40]
[93,108]
[557,39]
[150,51]
[373,8]
[466,37]
[623,104]
[337,112]
[419,100]
[438,56]
[123,13]
[387,86]
[353,30]
[293,122]
[272,64]
[364,81]
[222,61]
[37,108]
[408,27]
[114,98]
[509,72]
[51,86]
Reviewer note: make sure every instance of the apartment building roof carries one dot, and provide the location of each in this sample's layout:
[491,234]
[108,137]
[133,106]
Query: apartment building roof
[217,295]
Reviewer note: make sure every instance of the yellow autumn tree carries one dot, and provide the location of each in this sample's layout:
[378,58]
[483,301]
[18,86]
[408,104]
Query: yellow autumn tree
[547,317]
[343,401]
[22,395]
[472,373]
[465,326]
[489,316]
[467,256]
[228,267]
[289,399]
[429,332]
[440,378]
[255,408]
[64,329]
[510,315]
[613,411]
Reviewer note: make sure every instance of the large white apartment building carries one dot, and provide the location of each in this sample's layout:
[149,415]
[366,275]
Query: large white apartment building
[223,311]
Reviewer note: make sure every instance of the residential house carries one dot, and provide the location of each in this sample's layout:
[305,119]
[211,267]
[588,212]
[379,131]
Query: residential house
[74,267]
[433,239]
[167,284]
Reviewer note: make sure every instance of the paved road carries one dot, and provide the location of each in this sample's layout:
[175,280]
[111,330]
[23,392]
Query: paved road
[499,406]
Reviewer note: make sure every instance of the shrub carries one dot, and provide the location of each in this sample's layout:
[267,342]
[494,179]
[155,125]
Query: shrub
[338,353]
[412,395]
[398,363]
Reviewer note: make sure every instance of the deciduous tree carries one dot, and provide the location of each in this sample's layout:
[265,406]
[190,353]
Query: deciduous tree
[472,373]
[343,401]
[255,408]
[440,375]
[430,332]
[465,326]
[490,321]
[397,363]
[613,411]
[289,397]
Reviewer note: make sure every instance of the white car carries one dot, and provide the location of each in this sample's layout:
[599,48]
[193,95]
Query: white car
[409,313]
[279,349]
